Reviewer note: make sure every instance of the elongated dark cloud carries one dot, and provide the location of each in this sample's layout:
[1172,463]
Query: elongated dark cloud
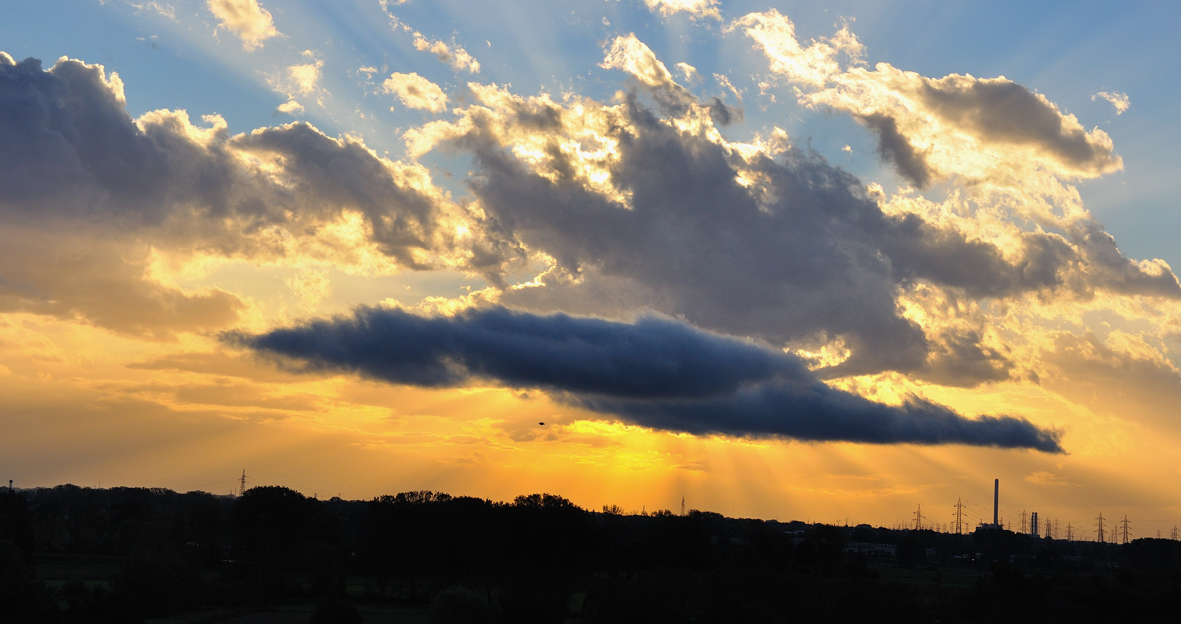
[817,412]
[653,357]
[656,372]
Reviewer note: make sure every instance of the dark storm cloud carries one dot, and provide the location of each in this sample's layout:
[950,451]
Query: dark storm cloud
[656,372]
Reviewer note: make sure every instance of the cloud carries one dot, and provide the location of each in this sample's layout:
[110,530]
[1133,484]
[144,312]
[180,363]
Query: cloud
[635,204]
[161,174]
[629,54]
[1122,374]
[656,372]
[689,72]
[104,282]
[290,107]
[694,240]
[1119,100]
[301,79]
[1000,111]
[820,413]
[654,357]
[246,19]
[640,211]
[896,149]
[164,10]
[414,91]
[985,129]
[695,8]
[304,77]
[76,169]
[454,55]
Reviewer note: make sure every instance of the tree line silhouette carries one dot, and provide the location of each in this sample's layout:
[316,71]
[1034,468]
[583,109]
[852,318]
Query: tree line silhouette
[72,554]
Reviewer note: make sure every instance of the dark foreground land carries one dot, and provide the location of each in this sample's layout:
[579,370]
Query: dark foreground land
[273,556]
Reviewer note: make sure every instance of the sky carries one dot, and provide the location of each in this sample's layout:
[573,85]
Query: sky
[816,261]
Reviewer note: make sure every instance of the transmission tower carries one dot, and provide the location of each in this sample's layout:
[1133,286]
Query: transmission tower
[1055,528]
[1099,532]
[1023,520]
[1125,531]
[682,505]
[918,519]
[959,516]
[1069,533]
[242,483]
[1174,535]
[1049,530]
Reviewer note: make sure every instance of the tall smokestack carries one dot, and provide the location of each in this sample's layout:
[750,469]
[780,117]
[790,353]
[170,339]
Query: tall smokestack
[996,501]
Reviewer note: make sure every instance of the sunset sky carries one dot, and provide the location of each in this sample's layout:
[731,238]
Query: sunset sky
[796,260]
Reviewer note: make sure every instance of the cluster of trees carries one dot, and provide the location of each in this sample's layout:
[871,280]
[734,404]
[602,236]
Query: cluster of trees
[539,558]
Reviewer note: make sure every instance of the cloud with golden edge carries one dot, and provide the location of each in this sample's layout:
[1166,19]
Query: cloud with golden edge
[129,188]
[985,130]
[1119,100]
[696,9]
[414,91]
[453,54]
[251,23]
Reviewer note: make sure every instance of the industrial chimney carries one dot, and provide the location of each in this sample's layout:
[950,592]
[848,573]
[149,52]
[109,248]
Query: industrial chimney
[996,502]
